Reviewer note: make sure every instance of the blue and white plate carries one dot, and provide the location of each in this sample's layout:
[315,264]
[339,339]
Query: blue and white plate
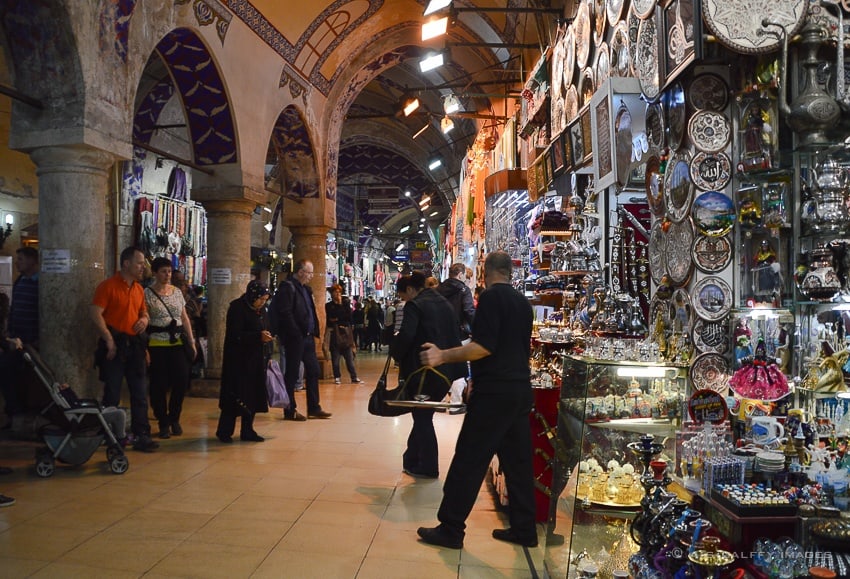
[714,213]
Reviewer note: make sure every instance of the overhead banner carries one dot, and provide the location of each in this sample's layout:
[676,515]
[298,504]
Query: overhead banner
[383,200]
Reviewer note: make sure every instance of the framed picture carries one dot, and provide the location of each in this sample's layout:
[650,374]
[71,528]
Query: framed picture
[558,160]
[568,150]
[577,143]
[547,167]
[680,36]
[540,175]
[604,155]
[531,182]
[587,136]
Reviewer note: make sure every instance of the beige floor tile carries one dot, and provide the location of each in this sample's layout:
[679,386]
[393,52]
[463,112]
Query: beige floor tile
[155,523]
[353,493]
[241,531]
[418,493]
[321,538]
[484,550]
[404,545]
[262,507]
[363,517]
[287,488]
[117,551]
[292,563]
[207,560]
[404,517]
[294,470]
[74,571]
[380,568]
[476,572]
[29,541]
[15,567]
[85,514]
[207,502]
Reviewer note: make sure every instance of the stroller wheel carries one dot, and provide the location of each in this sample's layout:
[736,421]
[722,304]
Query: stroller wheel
[112,452]
[119,464]
[44,466]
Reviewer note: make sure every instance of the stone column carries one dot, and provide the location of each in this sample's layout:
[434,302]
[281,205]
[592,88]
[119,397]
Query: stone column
[310,242]
[228,268]
[73,183]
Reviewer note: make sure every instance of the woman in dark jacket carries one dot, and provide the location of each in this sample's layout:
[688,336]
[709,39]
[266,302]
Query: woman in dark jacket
[428,317]
[247,349]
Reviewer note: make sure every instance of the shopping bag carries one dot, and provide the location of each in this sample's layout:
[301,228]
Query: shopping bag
[380,395]
[275,386]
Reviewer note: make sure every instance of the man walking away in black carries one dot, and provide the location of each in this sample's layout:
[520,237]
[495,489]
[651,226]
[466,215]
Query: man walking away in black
[498,405]
[459,296]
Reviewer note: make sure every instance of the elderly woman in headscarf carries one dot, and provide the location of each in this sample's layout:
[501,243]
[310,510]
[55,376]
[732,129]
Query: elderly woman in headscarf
[247,350]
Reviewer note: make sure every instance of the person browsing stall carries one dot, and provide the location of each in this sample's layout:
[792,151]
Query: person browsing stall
[340,334]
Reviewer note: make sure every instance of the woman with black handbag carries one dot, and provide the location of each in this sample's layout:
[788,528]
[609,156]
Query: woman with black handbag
[428,317]
[340,334]
[170,348]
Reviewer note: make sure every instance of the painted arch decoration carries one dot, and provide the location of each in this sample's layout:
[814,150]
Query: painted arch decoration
[292,153]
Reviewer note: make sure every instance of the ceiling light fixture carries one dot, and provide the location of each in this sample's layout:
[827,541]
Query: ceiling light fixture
[434,214]
[410,105]
[435,28]
[405,228]
[446,125]
[422,220]
[426,200]
[407,193]
[436,6]
[399,247]
[268,226]
[422,130]
[431,62]
[435,164]
[451,104]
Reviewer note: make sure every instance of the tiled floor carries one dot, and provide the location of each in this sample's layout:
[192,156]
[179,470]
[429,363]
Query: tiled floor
[323,498]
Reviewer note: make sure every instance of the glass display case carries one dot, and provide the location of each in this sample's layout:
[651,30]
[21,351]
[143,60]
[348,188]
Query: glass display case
[605,406]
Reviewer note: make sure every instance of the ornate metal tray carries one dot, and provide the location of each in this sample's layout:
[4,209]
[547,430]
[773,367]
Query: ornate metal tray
[655,251]
[709,131]
[586,86]
[583,34]
[600,21]
[646,60]
[614,9]
[712,298]
[678,187]
[680,238]
[710,337]
[643,8]
[654,186]
[620,51]
[738,23]
[714,213]
[711,171]
[674,105]
[623,143]
[708,92]
[602,64]
[710,371]
[558,56]
[712,254]
[569,57]
[571,103]
[655,126]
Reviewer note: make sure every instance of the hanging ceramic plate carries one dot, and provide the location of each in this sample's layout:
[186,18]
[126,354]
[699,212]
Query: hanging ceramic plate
[710,337]
[602,66]
[643,8]
[654,186]
[710,371]
[709,131]
[712,254]
[623,143]
[712,298]
[646,60]
[708,92]
[583,39]
[558,70]
[655,125]
[569,57]
[571,103]
[600,21]
[614,9]
[678,187]
[621,60]
[655,250]
[714,213]
[674,105]
[558,115]
[711,171]
[586,87]
[680,238]
[681,311]
[738,23]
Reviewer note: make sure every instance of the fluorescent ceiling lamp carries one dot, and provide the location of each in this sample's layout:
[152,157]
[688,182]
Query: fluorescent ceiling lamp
[268,226]
[425,200]
[435,28]
[399,247]
[422,219]
[643,371]
[407,193]
[446,125]
[431,62]
[410,105]
[434,214]
[404,229]
[451,104]
[422,130]
[434,164]
[436,6]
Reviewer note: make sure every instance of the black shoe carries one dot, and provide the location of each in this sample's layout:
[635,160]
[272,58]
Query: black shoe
[416,474]
[437,536]
[164,433]
[509,536]
[225,438]
[176,429]
[6,501]
[319,414]
[251,437]
[145,443]
[296,416]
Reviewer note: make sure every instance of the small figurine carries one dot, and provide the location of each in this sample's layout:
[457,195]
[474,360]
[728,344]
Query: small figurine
[767,276]
[759,378]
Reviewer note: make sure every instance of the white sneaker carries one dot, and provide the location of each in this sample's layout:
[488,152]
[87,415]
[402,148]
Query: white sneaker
[336,380]
[357,381]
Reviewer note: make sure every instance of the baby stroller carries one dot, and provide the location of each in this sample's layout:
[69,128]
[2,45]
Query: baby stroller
[77,426]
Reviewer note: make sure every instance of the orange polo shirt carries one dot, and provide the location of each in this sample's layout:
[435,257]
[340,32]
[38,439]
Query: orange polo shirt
[122,305]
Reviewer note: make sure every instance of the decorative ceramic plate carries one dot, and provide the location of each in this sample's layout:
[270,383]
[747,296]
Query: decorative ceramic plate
[623,143]
[712,254]
[643,8]
[600,21]
[714,213]
[680,238]
[678,187]
[681,310]
[712,298]
[654,186]
[558,115]
[738,23]
[655,249]
[711,171]
[621,60]
[558,56]
[571,103]
[602,66]
[674,105]
[569,57]
[646,60]
[583,40]
[710,371]
[655,125]
[586,86]
[709,131]
[710,337]
[708,92]
[614,9]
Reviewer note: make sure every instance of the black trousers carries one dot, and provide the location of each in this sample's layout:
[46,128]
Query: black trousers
[169,372]
[297,351]
[227,422]
[422,449]
[494,424]
[128,364]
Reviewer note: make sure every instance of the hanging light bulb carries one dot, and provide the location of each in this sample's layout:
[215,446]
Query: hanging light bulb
[447,124]
[451,104]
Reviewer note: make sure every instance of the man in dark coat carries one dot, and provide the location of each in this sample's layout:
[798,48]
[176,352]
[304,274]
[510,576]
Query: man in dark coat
[458,295]
[297,328]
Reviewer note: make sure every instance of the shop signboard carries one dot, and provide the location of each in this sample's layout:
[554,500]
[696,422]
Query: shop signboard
[401,255]
[420,256]
[383,200]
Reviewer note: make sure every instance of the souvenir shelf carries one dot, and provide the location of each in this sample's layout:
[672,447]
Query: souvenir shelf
[604,406]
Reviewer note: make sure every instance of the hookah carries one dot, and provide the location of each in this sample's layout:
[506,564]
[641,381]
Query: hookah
[656,503]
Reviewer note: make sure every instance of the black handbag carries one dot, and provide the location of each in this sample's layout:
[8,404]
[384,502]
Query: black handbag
[186,345]
[380,397]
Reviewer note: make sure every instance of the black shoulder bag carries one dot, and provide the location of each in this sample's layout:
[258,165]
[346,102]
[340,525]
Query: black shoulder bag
[174,332]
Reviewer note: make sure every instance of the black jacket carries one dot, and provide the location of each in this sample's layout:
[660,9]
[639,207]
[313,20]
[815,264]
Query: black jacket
[459,296]
[427,318]
[293,313]
[244,360]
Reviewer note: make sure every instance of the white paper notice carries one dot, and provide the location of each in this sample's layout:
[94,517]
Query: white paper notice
[55,261]
[220,276]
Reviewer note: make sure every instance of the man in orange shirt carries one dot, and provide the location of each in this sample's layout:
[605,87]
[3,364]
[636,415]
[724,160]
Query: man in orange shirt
[121,318]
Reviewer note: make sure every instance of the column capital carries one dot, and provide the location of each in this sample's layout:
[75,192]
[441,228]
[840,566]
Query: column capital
[71,159]
[310,230]
[228,206]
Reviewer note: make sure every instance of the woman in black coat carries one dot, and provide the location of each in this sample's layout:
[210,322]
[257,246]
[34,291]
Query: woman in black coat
[428,317]
[247,349]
